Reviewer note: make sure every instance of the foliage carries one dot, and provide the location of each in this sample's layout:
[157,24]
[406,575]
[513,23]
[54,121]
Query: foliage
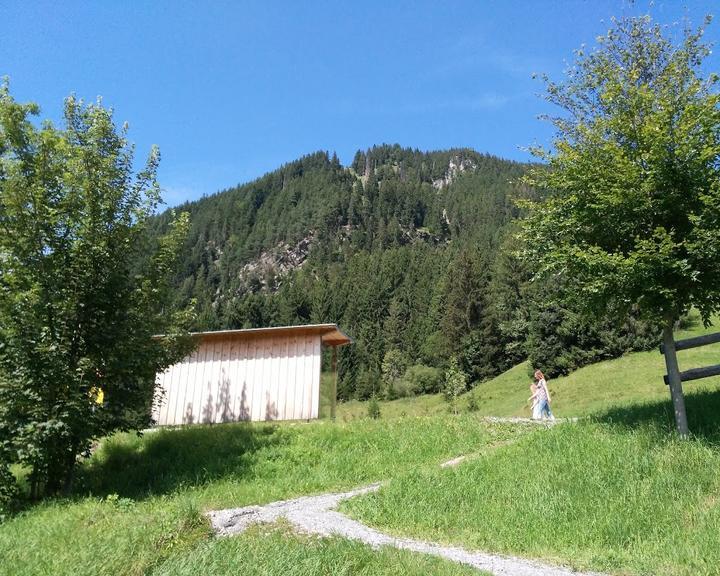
[373,408]
[455,383]
[472,403]
[421,379]
[8,490]
[406,251]
[633,184]
[80,298]
[393,367]
[374,247]
[560,338]
[367,384]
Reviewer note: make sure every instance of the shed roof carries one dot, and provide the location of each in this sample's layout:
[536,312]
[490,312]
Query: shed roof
[330,334]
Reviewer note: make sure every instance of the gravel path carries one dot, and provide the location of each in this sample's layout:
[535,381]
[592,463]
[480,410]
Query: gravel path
[316,515]
[522,420]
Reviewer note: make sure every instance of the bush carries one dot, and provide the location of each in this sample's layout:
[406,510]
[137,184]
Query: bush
[419,379]
[373,408]
[472,403]
[455,383]
[393,367]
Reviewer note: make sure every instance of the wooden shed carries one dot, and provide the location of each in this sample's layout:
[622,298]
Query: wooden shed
[255,374]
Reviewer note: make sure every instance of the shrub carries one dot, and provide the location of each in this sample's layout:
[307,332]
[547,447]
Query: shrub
[420,379]
[472,403]
[393,367]
[455,383]
[373,408]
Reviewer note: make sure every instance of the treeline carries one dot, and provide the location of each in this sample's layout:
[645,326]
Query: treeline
[412,253]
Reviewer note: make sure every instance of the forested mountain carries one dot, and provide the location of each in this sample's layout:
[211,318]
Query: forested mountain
[409,252]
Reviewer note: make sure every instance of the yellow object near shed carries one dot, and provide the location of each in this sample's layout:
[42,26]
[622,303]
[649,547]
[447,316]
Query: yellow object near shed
[255,374]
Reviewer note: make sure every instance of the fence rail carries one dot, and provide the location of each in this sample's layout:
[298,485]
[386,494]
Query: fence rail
[694,342]
[695,373]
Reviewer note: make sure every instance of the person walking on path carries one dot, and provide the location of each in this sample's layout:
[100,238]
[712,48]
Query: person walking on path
[543,396]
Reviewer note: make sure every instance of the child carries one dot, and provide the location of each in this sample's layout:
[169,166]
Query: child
[534,401]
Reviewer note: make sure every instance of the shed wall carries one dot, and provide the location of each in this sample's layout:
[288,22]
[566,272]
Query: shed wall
[233,378]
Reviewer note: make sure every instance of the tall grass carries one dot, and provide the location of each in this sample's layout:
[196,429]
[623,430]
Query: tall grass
[140,500]
[621,497]
[270,551]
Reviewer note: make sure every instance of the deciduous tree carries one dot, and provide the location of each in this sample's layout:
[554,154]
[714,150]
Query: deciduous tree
[82,292]
[633,179]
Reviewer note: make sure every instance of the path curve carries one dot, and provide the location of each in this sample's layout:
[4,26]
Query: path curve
[317,515]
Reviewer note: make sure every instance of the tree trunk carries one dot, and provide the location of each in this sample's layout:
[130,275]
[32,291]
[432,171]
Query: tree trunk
[673,371]
[70,467]
[34,484]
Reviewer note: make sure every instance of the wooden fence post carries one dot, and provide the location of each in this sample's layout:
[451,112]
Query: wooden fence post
[333,398]
[673,372]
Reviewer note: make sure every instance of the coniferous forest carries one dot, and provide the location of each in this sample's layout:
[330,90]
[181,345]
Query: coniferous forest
[412,253]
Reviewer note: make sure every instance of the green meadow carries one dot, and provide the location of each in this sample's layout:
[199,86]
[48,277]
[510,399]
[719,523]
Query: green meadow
[615,492]
[140,501]
[621,496]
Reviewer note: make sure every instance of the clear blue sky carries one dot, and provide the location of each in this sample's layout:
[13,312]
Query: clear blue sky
[231,90]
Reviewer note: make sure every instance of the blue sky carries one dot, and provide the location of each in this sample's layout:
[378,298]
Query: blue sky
[231,90]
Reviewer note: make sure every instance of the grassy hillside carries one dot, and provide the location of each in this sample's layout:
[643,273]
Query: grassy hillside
[621,499]
[140,501]
[636,378]
[615,492]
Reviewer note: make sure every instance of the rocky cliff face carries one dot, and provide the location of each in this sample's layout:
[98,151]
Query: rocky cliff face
[266,273]
[457,166]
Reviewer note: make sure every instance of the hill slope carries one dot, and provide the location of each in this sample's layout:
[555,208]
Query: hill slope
[634,379]
[396,248]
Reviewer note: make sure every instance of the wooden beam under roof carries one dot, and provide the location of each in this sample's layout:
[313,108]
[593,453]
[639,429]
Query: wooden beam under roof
[330,334]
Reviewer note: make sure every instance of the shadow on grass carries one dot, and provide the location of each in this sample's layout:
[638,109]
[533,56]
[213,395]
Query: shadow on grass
[164,461]
[703,411]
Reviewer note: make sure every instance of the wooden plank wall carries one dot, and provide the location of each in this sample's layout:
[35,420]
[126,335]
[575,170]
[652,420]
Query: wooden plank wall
[251,378]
